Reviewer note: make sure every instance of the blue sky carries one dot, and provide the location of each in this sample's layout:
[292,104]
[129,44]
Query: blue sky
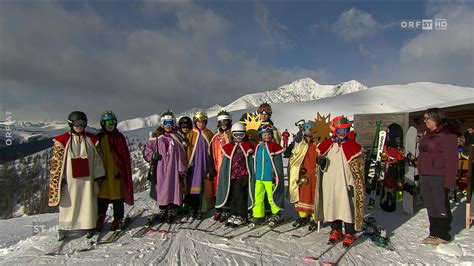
[93,55]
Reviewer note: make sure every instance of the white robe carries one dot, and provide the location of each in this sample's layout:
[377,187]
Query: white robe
[78,202]
[335,185]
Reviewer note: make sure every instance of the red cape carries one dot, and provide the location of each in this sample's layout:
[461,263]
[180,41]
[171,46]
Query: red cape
[64,138]
[350,147]
[229,147]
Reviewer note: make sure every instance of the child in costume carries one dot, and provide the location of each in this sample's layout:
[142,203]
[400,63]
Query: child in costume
[340,189]
[117,187]
[236,170]
[171,167]
[222,137]
[269,178]
[265,113]
[302,177]
[75,168]
[199,187]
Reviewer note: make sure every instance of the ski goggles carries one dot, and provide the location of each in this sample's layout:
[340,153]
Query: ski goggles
[79,123]
[168,123]
[110,122]
[342,130]
[238,135]
[185,125]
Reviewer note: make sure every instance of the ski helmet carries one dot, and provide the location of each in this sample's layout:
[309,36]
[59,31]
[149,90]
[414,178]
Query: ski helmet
[77,116]
[265,128]
[108,118]
[238,127]
[185,122]
[300,123]
[238,131]
[167,118]
[339,122]
[308,128]
[223,115]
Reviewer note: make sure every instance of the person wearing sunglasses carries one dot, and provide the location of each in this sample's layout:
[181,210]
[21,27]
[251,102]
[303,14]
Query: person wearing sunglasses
[75,166]
[296,138]
[265,113]
[171,166]
[437,167]
[340,182]
[199,187]
[117,187]
[222,137]
[234,192]
[302,177]
[269,178]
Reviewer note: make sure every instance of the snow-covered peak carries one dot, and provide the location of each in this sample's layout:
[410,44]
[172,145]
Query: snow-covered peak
[139,122]
[301,90]
[348,87]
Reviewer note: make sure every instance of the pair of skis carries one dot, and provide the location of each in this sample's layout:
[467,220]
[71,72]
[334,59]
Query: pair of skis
[370,230]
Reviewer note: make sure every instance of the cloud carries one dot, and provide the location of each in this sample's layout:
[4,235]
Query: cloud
[444,56]
[274,32]
[355,24]
[55,60]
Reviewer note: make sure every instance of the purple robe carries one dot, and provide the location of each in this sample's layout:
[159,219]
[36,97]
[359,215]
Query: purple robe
[173,162]
[200,164]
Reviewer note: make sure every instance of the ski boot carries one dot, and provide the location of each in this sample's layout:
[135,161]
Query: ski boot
[217,216]
[301,221]
[312,225]
[224,216]
[116,224]
[100,222]
[257,221]
[275,219]
[61,235]
[335,236]
[348,240]
[238,221]
[171,216]
[230,221]
[90,233]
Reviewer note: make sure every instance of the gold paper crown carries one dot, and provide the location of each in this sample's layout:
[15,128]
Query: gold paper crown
[200,117]
[252,122]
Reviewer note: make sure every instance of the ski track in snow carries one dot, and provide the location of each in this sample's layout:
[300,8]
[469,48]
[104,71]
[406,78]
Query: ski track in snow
[191,247]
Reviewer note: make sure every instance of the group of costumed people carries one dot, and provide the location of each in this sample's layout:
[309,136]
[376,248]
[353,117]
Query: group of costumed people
[239,172]
[235,170]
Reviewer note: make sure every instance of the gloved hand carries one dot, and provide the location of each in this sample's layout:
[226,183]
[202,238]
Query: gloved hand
[212,173]
[156,157]
[321,161]
[183,175]
[100,179]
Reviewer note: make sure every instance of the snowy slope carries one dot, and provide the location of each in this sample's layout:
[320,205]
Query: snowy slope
[21,243]
[297,91]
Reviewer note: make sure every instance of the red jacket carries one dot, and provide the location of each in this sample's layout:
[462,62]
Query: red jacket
[439,154]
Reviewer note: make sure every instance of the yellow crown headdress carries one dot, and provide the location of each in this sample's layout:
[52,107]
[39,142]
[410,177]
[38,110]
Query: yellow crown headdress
[200,117]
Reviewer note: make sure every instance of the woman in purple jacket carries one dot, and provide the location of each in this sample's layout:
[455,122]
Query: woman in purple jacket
[437,167]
